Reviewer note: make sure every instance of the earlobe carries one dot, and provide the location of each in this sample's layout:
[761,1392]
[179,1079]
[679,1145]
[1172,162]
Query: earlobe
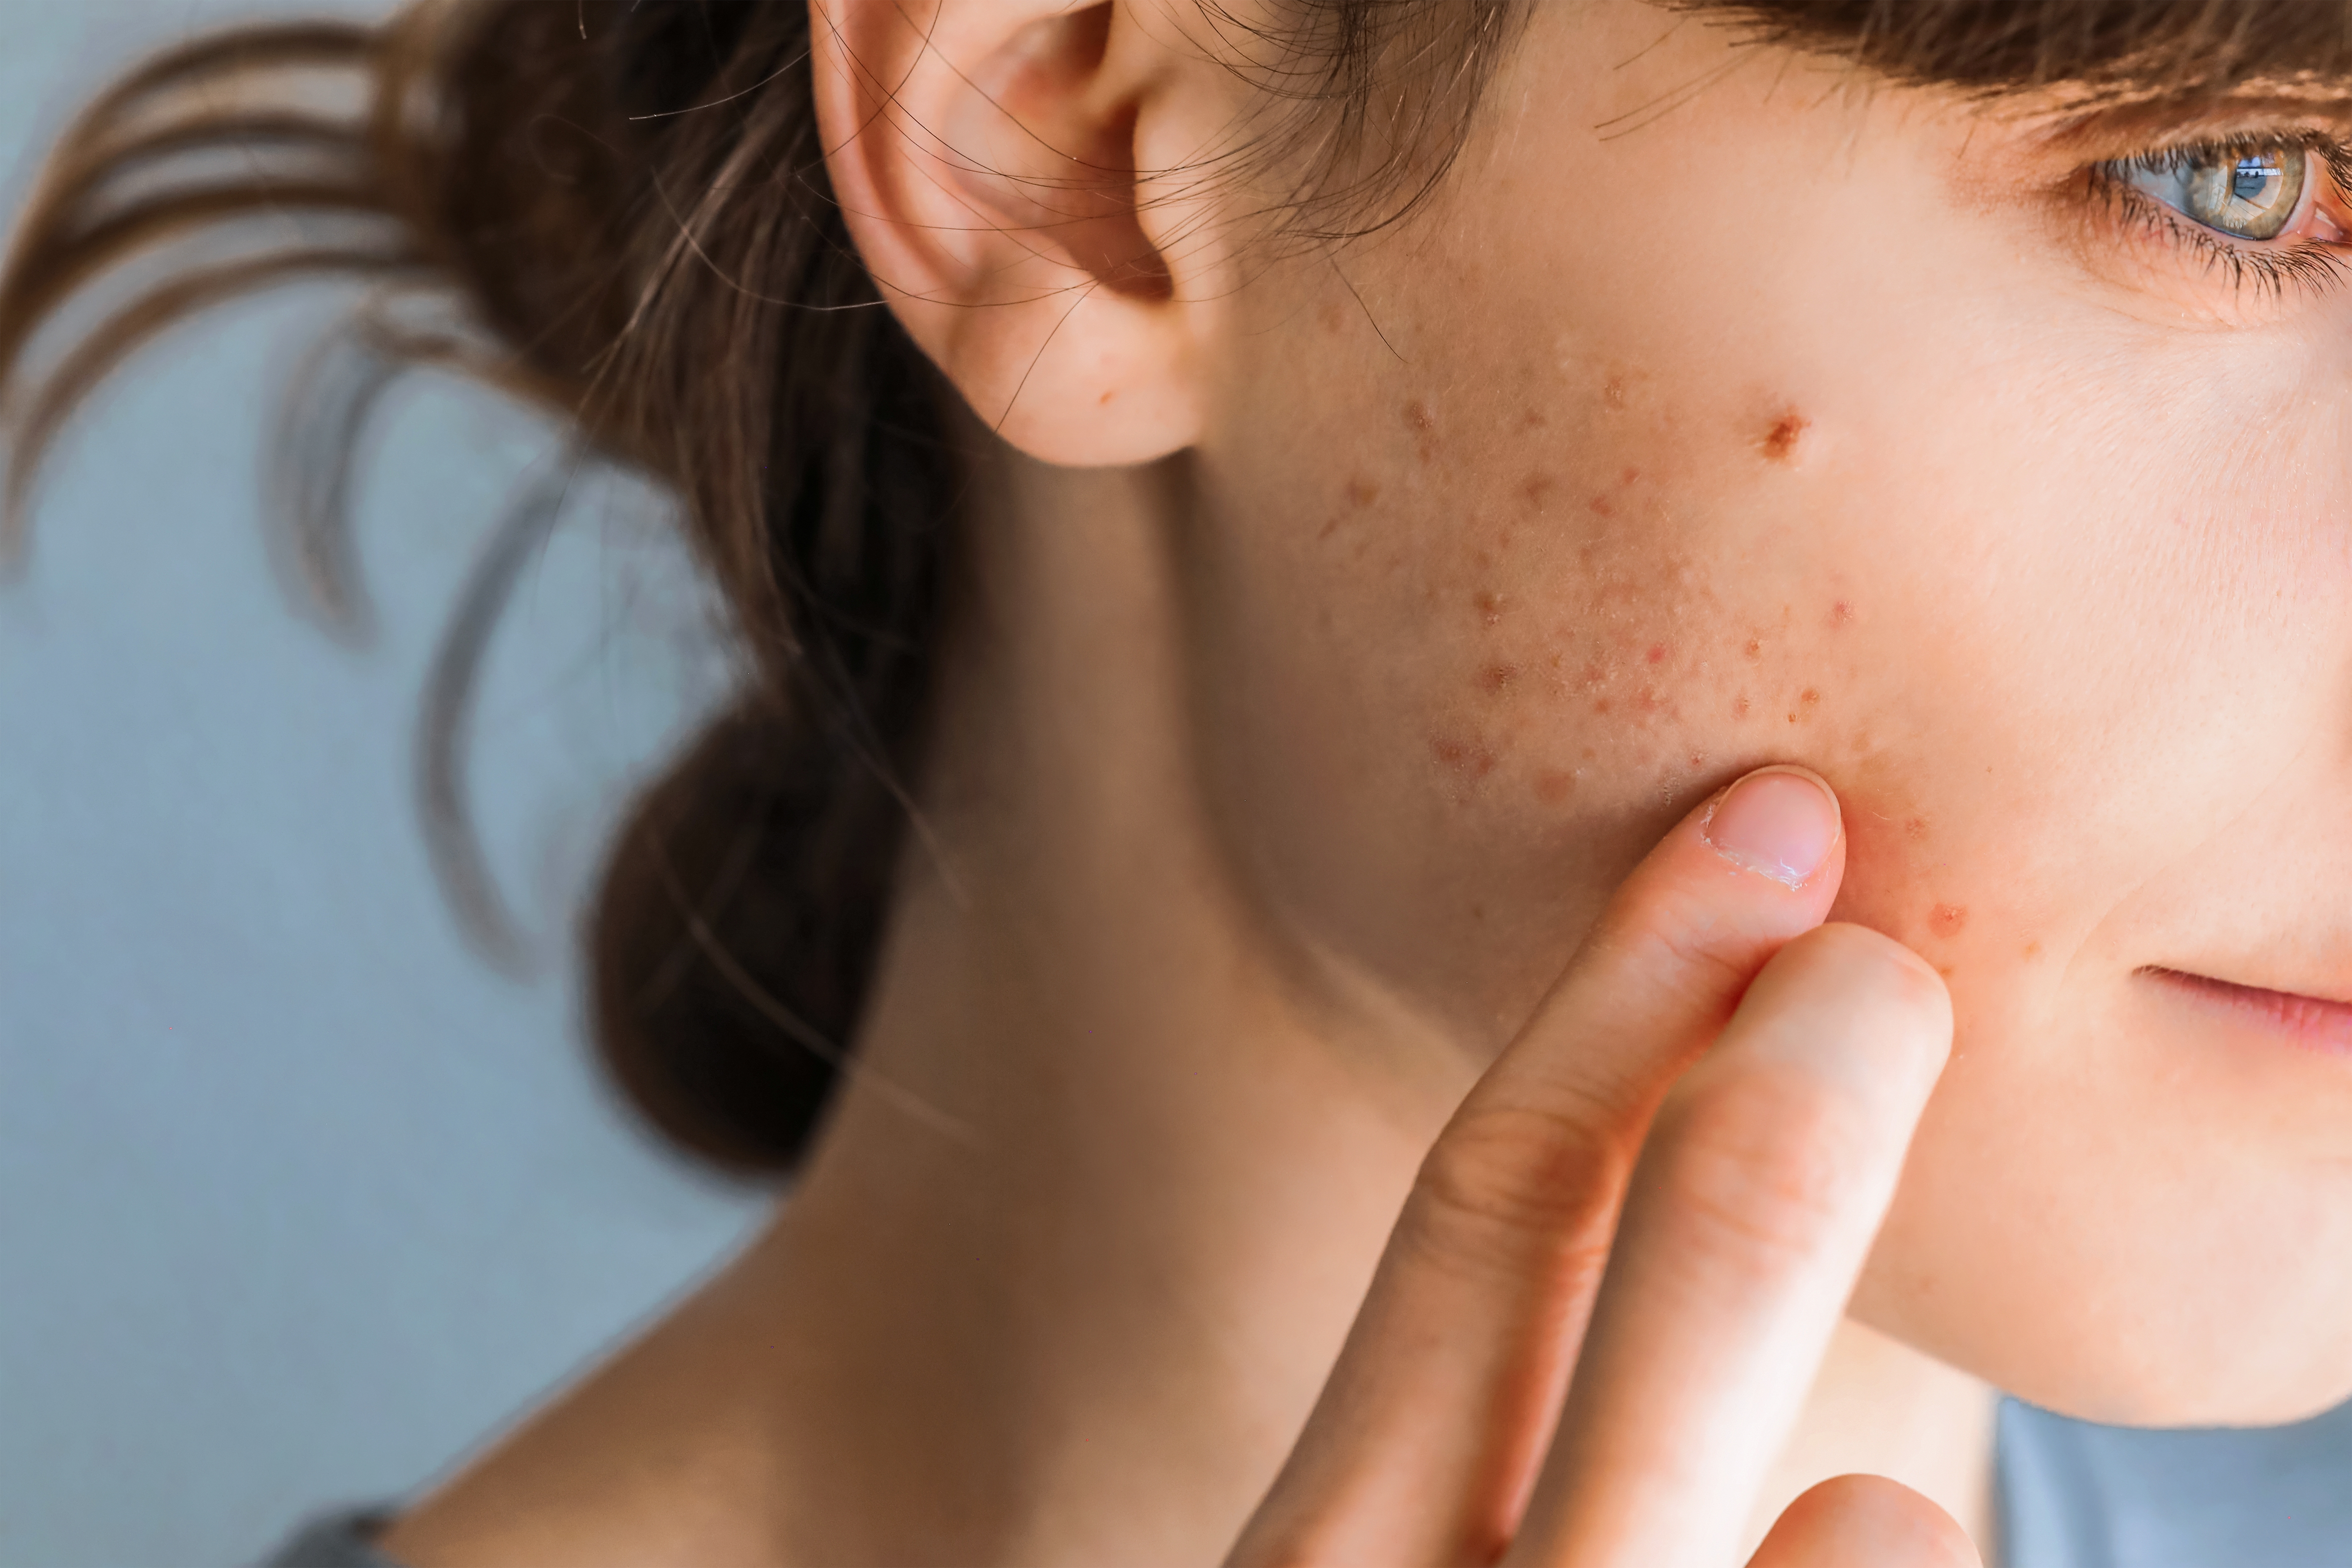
[984,153]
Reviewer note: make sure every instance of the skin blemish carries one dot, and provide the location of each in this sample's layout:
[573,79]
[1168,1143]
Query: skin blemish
[1330,526]
[1629,476]
[1554,785]
[1612,394]
[1418,415]
[1467,758]
[1779,443]
[1333,318]
[1490,606]
[1840,613]
[1496,679]
[1916,829]
[1532,420]
[2032,951]
[1600,706]
[1948,919]
[1755,649]
[1601,507]
[1658,655]
[1106,398]
[1739,706]
[1362,492]
[1536,489]
[1808,697]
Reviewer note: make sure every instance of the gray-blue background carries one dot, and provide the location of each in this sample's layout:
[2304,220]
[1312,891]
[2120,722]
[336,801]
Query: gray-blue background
[297,1199]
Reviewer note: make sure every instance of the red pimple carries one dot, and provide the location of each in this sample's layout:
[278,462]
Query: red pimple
[1600,506]
[1629,476]
[1418,415]
[1779,443]
[1755,649]
[1495,678]
[1739,706]
[1657,653]
[1809,696]
[1946,919]
[1840,613]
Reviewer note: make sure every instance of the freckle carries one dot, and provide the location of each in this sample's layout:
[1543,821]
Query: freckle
[1554,784]
[1793,718]
[1739,706]
[1495,678]
[1946,919]
[1916,829]
[1104,400]
[1755,650]
[1536,488]
[2032,951]
[1600,706]
[1600,504]
[1418,415]
[1945,970]
[1532,420]
[1779,443]
[1840,613]
[1362,492]
[1658,655]
[1489,605]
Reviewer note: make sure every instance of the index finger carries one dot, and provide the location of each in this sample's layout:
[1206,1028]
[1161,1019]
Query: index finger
[1425,1442]
[1746,1222]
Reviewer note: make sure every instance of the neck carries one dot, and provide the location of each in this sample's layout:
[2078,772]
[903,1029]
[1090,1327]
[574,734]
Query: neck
[1090,1222]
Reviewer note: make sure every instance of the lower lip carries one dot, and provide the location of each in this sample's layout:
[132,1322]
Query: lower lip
[2311,1022]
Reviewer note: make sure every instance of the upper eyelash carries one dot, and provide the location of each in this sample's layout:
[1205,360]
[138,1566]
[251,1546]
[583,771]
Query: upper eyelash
[2305,264]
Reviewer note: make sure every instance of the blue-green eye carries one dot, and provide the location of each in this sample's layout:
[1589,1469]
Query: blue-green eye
[2247,193]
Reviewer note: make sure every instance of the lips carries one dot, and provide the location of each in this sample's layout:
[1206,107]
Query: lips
[2316,1022]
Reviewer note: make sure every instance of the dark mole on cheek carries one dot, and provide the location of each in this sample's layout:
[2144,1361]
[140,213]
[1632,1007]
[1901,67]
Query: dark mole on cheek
[1779,443]
[1946,919]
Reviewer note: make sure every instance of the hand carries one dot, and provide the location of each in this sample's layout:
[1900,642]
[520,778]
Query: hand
[1621,1264]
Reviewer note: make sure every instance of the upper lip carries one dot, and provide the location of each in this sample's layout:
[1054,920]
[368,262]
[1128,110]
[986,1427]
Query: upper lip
[2166,971]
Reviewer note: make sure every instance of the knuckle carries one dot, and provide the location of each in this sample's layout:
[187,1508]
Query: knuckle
[1767,1169]
[1513,1187]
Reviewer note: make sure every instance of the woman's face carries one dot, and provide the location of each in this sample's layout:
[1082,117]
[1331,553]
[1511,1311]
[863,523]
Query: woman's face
[1726,411]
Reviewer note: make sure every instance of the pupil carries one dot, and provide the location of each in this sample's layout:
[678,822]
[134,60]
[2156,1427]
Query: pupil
[2251,181]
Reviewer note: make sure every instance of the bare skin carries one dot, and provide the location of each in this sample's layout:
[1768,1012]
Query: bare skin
[1394,622]
[1075,1262]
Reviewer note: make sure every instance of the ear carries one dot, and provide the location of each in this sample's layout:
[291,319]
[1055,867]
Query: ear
[984,154]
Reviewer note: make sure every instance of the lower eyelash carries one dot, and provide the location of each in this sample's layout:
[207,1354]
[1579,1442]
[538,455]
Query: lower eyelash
[2308,264]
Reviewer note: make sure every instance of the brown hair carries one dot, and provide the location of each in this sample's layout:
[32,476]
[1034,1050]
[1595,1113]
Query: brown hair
[594,186]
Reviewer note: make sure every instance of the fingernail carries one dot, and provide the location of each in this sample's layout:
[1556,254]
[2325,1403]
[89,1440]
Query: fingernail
[1778,822]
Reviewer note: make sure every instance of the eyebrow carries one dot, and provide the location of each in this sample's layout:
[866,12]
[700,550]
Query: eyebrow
[2126,49]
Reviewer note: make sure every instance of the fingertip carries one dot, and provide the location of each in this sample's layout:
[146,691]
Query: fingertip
[1780,821]
[1865,1522]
